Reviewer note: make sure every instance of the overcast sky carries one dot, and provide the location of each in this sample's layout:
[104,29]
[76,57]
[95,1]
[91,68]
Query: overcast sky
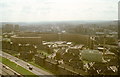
[57,10]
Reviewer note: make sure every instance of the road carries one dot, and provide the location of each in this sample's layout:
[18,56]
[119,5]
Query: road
[7,72]
[24,64]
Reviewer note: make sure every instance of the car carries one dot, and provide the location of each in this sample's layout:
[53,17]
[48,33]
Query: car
[30,67]
[4,66]
[28,64]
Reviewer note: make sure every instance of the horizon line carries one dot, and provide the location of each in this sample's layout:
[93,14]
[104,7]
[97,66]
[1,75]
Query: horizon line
[61,20]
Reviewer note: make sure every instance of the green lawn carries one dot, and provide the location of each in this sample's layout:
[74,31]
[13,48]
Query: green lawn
[16,67]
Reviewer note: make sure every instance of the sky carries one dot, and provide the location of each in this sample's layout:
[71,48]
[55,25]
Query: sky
[57,10]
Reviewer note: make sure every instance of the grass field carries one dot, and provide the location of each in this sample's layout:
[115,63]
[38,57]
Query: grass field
[16,67]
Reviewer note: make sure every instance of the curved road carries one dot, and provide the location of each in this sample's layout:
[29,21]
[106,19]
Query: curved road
[24,64]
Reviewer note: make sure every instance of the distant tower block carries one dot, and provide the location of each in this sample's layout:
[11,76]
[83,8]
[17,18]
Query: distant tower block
[16,28]
[8,28]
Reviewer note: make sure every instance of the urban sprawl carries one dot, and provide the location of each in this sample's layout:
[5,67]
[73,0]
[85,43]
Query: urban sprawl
[81,49]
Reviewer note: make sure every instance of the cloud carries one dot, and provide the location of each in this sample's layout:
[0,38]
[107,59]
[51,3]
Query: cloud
[52,10]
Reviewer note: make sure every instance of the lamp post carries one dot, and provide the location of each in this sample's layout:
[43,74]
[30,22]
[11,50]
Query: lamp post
[104,42]
[59,36]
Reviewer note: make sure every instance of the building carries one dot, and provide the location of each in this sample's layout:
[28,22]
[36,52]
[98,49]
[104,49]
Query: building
[8,28]
[16,28]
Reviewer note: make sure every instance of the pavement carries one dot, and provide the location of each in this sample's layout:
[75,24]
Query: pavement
[35,70]
[8,72]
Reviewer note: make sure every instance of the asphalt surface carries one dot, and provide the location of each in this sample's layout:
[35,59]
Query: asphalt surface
[7,72]
[35,70]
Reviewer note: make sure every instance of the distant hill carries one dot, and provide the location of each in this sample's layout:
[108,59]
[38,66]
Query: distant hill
[63,22]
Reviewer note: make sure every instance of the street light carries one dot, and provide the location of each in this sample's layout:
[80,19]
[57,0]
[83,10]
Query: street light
[59,36]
